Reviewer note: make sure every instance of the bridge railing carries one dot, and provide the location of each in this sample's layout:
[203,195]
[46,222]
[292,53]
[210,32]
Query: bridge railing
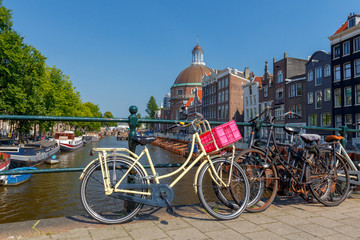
[133,122]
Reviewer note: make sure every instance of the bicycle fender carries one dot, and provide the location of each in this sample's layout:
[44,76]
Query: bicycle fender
[87,167]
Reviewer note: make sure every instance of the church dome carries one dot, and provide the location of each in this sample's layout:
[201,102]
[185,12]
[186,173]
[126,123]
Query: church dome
[192,74]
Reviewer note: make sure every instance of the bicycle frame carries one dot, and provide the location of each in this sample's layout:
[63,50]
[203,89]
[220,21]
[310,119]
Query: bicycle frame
[103,152]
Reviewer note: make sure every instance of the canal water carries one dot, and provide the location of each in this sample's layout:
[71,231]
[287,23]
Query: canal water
[58,194]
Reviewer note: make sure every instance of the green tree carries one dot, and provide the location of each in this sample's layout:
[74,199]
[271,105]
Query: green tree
[108,114]
[151,107]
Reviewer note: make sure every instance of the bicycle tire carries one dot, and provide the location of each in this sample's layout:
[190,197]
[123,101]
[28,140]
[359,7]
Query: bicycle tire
[104,208]
[263,180]
[210,199]
[329,183]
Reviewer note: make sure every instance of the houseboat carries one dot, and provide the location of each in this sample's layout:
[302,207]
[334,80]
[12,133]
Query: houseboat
[68,141]
[24,155]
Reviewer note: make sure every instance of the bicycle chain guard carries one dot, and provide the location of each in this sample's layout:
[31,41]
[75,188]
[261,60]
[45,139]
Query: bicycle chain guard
[156,191]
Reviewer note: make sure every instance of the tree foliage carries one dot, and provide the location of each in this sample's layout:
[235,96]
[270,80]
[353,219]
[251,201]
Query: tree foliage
[29,87]
[151,107]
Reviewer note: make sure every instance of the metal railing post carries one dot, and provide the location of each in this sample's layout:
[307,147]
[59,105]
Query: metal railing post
[133,122]
[343,133]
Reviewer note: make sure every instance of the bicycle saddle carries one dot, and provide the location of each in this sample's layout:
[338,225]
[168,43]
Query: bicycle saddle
[143,140]
[333,138]
[309,138]
[292,130]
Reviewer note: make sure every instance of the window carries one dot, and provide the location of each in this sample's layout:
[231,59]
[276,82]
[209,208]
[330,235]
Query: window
[352,22]
[298,89]
[357,68]
[346,48]
[338,121]
[336,51]
[266,91]
[250,90]
[357,94]
[279,93]
[226,95]
[299,109]
[279,77]
[226,82]
[348,119]
[318,76]
[347,96]
[313,119]
[357,119]
[327,93]
[347,70]
[310,97]
[310,76]
[337,74]
[292,91]
[327,71]
[318,96]
[326,119]
[337,96]
[179,92]
[292,108]
[356,44]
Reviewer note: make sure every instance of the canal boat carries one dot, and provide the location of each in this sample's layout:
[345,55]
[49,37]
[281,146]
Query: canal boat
[16,179]
[53,160]
[68,141]
[26,155]
[4,161]
[87,139]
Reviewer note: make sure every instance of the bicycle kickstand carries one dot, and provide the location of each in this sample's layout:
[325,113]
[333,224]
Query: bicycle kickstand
[170,209]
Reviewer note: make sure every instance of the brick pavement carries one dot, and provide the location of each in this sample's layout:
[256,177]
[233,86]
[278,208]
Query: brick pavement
[285,219]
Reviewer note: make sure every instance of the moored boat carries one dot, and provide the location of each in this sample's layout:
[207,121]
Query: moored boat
[4,161]
[87,139]
[24,155]
[68,141]
[16,179]
[53,160]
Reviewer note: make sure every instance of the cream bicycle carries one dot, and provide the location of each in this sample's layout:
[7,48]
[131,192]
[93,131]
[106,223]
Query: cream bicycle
[115,186]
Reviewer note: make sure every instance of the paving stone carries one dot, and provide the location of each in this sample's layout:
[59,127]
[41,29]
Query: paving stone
[205,225]
[337,237]
[108,232]
[300,236]
[259,218]
[43,237]
[280,228]
[187,234]
[301,213]
[263,235]
[147,233]
[348,231]
[172,224]
[292,220]
[325,222]
[244,227]
[140,225]
[333,215]
[316,230]
[225,235]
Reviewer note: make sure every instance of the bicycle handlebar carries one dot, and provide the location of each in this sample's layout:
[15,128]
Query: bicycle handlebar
[288,113]
[267,108]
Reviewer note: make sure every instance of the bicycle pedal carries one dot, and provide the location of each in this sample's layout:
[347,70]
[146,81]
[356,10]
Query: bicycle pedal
[171,210]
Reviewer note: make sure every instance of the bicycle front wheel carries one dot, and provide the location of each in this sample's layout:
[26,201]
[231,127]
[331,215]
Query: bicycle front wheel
[223,202]
[329,178]
[110,209]
[263,179]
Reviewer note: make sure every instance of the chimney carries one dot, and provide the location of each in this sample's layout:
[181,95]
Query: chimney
[285,55]
[273,60]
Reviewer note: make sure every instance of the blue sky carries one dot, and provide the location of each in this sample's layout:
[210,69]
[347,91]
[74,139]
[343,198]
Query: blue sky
[120,53]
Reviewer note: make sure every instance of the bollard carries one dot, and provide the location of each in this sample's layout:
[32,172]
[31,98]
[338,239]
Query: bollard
[133,122]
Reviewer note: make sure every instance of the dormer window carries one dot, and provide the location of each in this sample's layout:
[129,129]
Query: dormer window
[352,22]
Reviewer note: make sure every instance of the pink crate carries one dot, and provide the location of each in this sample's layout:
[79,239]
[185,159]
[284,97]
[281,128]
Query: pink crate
[224,135]
[207,141]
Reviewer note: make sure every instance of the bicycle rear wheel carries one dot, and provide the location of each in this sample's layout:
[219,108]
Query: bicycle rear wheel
[219,200]
[110,209]
[263,180]
[329,178]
